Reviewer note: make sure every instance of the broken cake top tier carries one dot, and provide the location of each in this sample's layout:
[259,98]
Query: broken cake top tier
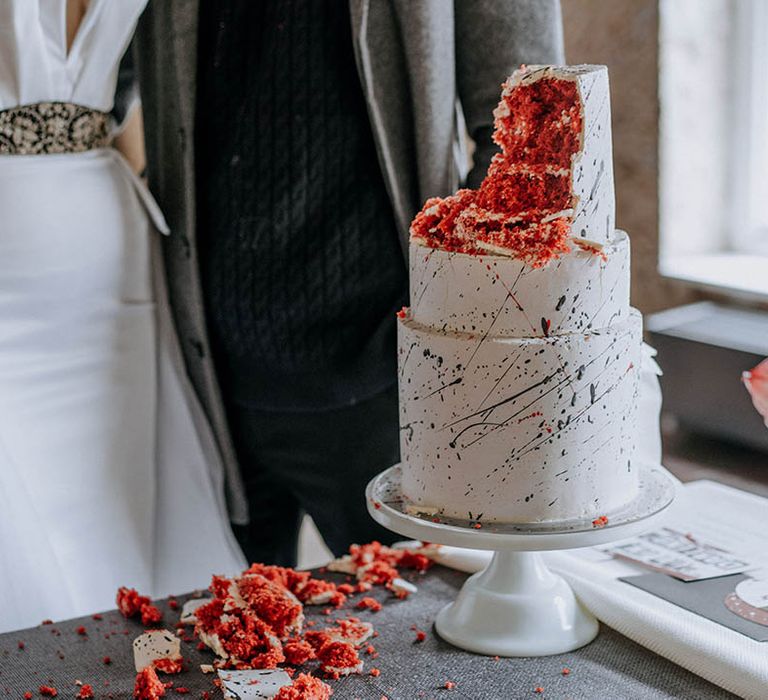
[551,181]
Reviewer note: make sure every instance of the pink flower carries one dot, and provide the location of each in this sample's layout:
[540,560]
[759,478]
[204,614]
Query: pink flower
[756,381]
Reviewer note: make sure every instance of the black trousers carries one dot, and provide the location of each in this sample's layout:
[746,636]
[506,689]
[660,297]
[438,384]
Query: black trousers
[317,463]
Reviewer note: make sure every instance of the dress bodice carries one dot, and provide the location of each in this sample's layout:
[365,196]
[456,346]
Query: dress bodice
[35,65]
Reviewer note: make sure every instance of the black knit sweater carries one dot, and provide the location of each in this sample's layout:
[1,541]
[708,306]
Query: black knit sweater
[300,257]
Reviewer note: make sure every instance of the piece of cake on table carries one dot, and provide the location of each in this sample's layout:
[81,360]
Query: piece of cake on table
[519,355]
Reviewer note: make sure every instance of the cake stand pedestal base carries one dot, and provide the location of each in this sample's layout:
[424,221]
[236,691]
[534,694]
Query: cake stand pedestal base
[516,607]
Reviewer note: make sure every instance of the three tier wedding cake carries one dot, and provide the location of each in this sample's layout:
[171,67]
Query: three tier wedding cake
[519,355]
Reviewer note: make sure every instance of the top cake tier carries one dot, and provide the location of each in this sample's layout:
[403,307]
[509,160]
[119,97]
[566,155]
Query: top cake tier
[552,181]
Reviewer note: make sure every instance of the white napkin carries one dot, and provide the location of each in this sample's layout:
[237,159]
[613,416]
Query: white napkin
[649,408]
[733,520]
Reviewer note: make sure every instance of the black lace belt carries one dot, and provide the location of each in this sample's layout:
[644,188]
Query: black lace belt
[52,127]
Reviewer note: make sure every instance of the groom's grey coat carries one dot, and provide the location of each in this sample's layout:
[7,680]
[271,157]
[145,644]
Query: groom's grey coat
[417,59]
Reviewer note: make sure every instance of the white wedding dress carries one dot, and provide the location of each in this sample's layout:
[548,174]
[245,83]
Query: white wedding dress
[107,472]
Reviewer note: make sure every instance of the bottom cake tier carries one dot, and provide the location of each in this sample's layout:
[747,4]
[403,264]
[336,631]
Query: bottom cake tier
[519,430]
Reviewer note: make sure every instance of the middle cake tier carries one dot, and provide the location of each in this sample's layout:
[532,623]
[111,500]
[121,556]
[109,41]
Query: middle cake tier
[519,429]
[582,290]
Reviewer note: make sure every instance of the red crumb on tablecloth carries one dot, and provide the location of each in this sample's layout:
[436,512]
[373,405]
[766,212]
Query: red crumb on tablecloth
[129,602]
[304,687]
[97,617]
[150,615]
[414,560]
[82,631]
[273,603]
[370,650]
[339,659]
[602,521]
[107,660]
[248,641]
[421,635]
[173,604]
[21,645]
[538,689]
[375,672]
[298,652]
[378,572]
[28,695]
[370,603]
[566,671]
[148,686]
[181,690]
[319,592]
[288,578]
[48,690]
[449,685]
[47,622]
[85,692]
[205,695]
[169,666]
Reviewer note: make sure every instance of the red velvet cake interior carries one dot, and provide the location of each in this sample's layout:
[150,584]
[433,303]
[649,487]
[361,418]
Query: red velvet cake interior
[524,206]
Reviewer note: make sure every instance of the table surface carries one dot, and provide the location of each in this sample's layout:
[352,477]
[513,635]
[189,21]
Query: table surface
[612,667]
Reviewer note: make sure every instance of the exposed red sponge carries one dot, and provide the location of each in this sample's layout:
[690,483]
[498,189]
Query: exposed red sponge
[273,603]
[150,615]
[524,206]
[148,686]
[169,666]
[539,122]
[298,652]
[129,602]
[305,687]
[435,225]
[369,603]
[339,659]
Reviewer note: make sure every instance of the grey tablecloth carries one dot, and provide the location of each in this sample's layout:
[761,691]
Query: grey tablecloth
[611,668]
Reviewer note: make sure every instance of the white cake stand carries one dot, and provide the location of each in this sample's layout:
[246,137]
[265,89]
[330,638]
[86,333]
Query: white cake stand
[517,606]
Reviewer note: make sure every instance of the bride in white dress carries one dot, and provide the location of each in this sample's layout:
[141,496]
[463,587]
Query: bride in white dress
[108,475]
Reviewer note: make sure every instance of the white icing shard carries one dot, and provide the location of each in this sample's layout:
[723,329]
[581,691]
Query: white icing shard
[253,684]
[402,587]
[153,646]
[355,633]
[189,609]
[343,565]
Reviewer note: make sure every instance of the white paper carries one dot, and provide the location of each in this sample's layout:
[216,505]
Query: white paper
[679,554]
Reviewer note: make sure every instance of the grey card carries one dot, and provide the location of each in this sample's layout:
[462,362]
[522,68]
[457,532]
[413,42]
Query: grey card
[705,598]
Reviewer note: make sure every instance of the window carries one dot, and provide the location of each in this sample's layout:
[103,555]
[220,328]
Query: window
[714,144]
